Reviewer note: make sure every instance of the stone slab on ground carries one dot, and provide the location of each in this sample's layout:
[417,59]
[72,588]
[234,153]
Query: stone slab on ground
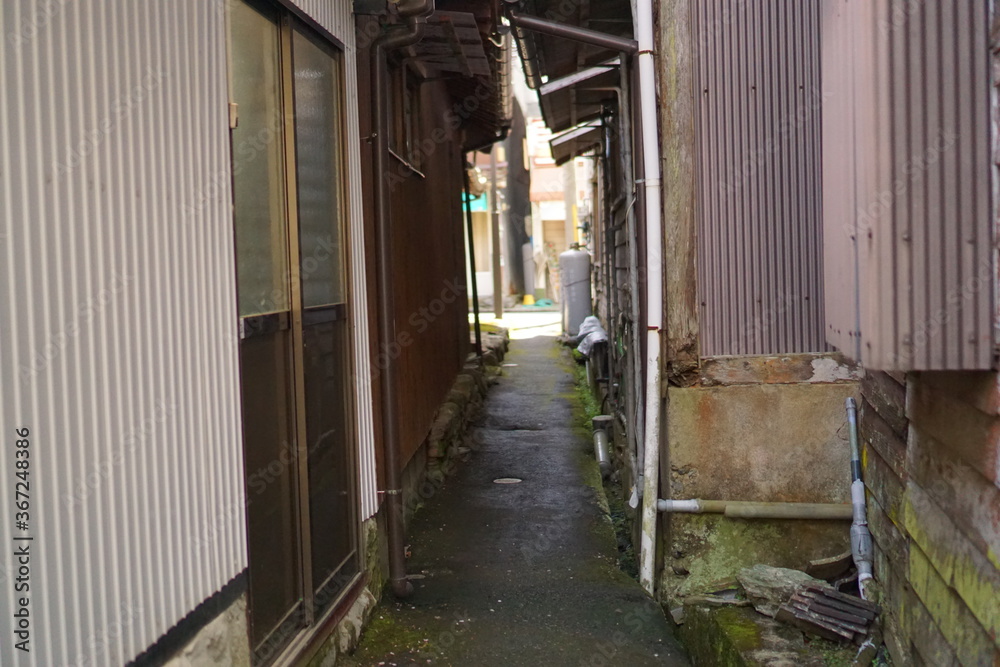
[770,587]
[741,637]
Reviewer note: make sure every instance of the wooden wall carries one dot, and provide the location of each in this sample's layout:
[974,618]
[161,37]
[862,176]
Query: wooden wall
[429,245]
[429,260]
[932,442]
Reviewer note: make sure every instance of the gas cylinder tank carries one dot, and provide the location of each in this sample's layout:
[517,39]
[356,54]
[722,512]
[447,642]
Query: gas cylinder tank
[574,273]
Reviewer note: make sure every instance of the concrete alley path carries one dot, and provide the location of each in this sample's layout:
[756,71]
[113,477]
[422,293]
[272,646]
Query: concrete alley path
[521,574]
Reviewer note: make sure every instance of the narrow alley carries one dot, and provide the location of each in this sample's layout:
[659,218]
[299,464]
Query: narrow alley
[288,297]
[522,573]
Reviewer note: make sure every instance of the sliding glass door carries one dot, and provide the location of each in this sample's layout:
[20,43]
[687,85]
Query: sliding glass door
[290,212]
[325,331]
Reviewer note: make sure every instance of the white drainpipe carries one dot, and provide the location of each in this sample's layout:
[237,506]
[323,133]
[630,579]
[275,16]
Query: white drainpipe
[642,13]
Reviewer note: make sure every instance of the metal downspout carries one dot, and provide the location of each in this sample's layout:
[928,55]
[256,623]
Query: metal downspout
[414,14]
[496,268]
[609,251]
[643,18]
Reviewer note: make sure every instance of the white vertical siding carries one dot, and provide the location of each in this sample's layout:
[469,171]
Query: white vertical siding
[117,343]
[336,17]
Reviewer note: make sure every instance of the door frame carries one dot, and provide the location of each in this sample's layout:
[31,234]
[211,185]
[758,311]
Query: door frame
[290,21]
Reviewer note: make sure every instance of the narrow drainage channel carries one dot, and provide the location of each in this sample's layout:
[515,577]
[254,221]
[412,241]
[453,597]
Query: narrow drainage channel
[613,491]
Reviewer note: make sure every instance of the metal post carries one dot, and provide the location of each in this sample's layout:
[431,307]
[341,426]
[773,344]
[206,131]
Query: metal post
[472,259]
[495,231]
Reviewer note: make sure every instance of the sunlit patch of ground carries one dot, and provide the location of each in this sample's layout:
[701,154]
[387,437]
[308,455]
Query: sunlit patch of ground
[525,324]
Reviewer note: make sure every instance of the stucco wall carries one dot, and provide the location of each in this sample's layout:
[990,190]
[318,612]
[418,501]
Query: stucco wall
[760,442]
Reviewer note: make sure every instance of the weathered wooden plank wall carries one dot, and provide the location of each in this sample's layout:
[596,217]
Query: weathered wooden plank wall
[932,442]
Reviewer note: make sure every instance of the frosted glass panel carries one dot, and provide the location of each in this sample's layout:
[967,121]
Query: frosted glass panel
[258,165]
[318,145]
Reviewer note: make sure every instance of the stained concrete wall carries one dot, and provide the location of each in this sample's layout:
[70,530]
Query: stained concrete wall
[932,470]
[764,439]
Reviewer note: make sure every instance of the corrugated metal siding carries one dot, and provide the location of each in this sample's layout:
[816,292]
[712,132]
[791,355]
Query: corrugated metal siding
[118,347]
[839,170]
[908,175]
[758,199]
[336,17]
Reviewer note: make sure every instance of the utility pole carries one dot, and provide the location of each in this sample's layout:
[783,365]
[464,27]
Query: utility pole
[495,229]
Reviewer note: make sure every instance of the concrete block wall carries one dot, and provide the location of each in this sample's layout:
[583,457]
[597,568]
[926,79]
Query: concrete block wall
[932,470]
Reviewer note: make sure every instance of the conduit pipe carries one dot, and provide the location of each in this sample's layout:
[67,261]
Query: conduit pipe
[642,18]
[414,14]
[862,550]
[741,509]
